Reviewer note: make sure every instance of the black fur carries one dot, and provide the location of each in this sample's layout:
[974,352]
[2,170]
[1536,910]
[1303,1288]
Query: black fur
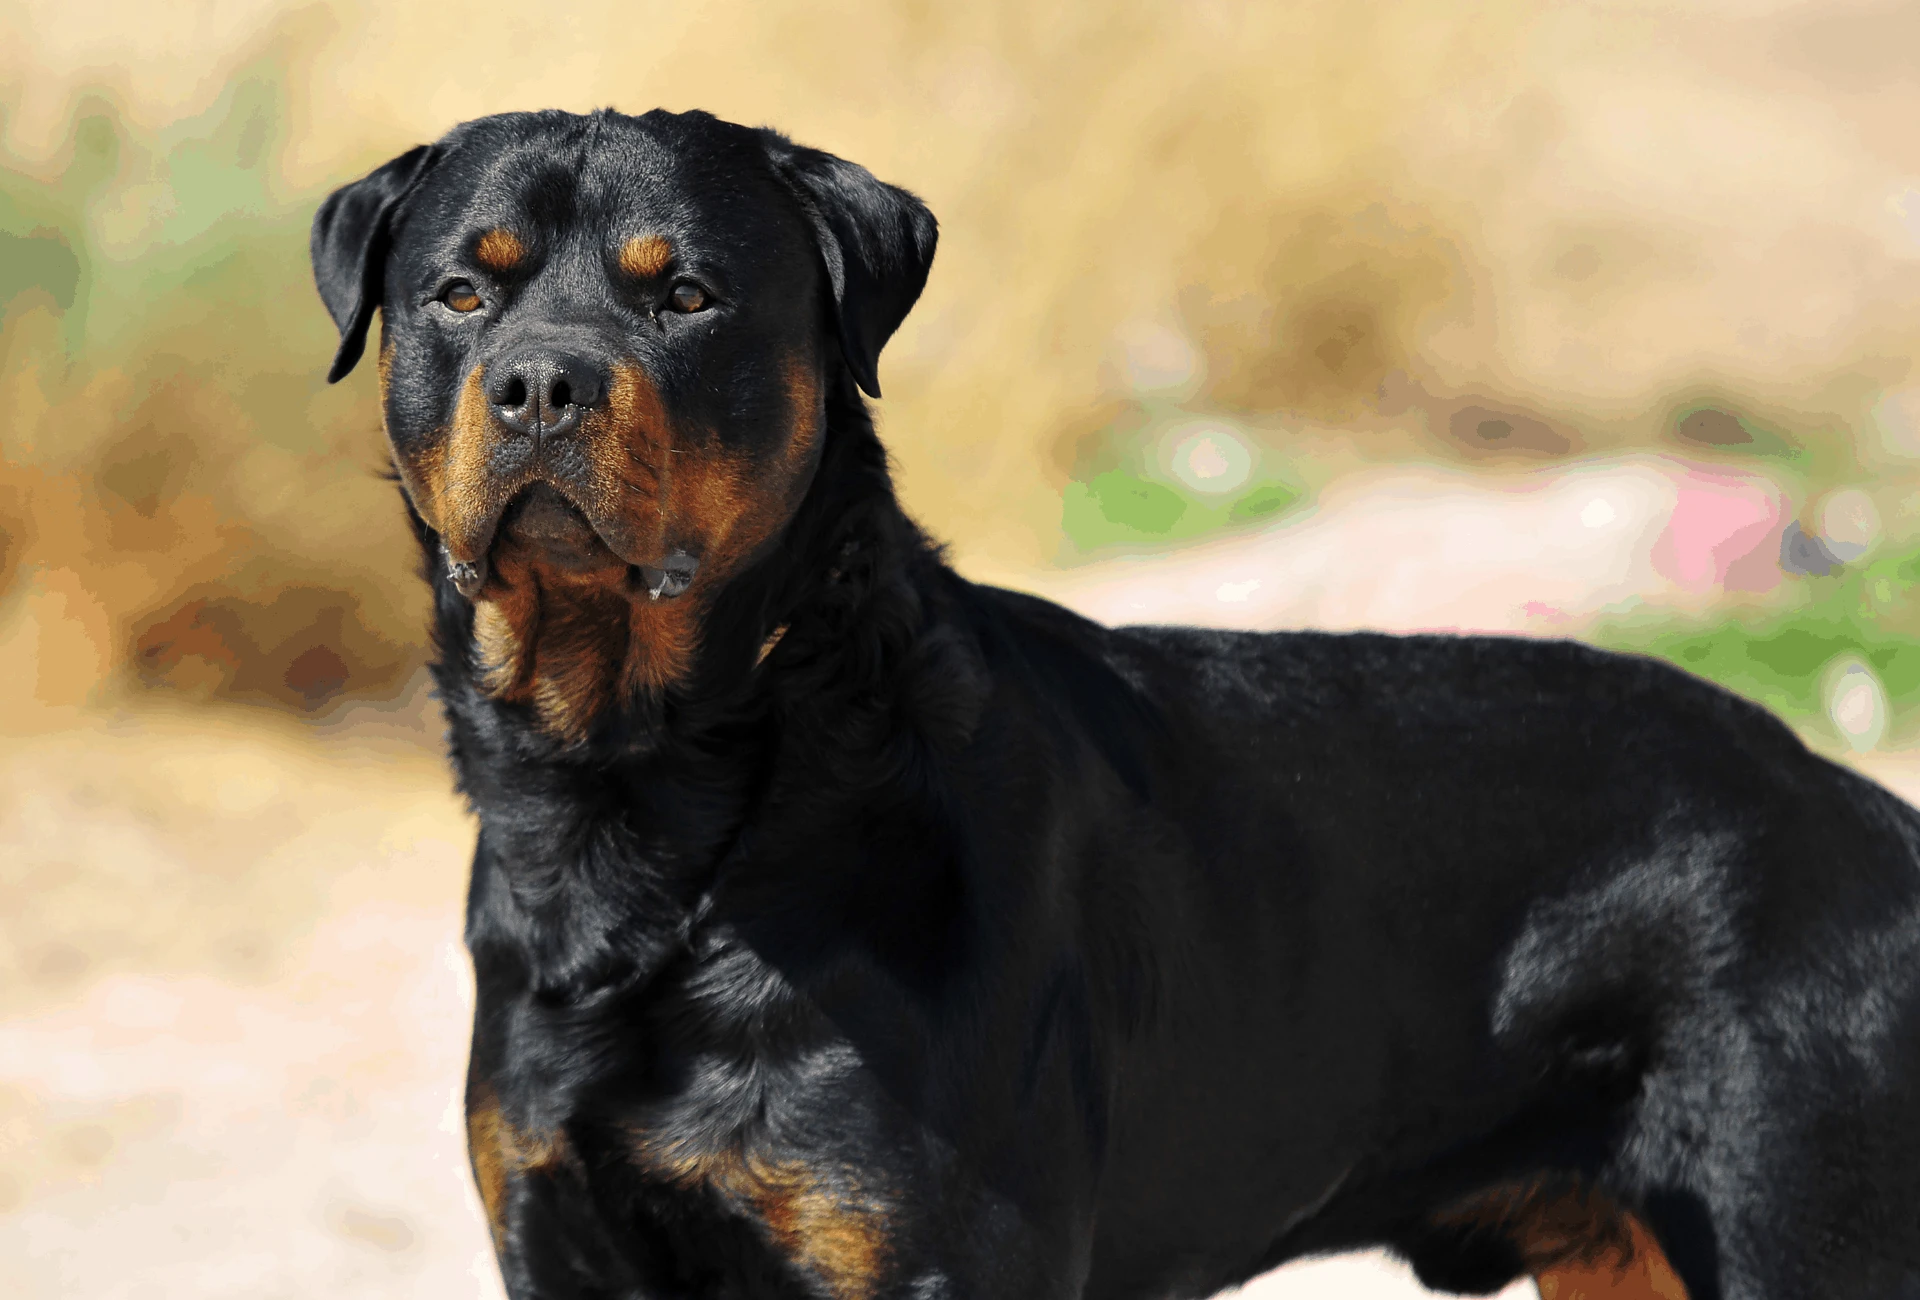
[351,237]
[876,241]
[1061,960]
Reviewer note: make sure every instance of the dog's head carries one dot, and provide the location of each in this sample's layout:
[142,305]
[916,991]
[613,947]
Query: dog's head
[607,344]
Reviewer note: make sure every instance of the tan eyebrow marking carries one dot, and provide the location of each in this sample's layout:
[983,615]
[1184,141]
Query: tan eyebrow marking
[499,250]
[645,255]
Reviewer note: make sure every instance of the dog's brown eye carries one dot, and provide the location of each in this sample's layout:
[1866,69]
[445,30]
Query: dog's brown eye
[460,296]
[688,297]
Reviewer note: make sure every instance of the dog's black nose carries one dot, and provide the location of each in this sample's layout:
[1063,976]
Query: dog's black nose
[545,392]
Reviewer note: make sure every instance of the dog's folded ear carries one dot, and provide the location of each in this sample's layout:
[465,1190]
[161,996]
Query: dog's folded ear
[351,235]
[876,240]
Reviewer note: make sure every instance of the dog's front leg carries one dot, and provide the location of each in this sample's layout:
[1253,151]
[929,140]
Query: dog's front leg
[547,1233]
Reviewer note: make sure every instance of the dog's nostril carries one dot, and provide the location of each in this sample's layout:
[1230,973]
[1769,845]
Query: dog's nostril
[562,394]
[514,395]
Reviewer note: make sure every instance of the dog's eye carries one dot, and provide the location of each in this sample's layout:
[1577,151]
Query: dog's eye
[687,296]
[460,296]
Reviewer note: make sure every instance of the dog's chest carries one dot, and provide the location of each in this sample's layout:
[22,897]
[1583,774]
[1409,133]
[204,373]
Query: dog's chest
[727,1117]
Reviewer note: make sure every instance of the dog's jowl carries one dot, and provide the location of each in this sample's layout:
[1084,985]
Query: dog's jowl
[846,929]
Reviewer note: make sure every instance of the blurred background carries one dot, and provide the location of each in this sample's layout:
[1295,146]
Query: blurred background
[1592,320]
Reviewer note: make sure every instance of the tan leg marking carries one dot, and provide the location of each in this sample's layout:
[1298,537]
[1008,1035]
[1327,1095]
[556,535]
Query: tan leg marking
[1642,1273]
[838,1234]
[1577,1244]
[502,1153]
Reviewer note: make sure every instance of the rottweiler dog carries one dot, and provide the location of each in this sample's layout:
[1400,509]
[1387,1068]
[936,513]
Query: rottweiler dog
[846,929]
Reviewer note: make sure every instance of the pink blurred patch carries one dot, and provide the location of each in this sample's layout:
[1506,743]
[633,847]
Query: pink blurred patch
[1719,532]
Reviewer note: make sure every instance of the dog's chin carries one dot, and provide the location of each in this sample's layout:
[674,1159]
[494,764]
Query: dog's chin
[542,522]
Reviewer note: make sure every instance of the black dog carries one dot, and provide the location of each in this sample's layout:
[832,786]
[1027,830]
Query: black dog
[846,929]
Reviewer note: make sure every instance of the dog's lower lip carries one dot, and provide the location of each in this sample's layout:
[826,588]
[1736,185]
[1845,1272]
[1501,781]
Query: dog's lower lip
[544,518]
[541,513]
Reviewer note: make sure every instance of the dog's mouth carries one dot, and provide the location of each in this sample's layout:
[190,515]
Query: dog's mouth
[542,519]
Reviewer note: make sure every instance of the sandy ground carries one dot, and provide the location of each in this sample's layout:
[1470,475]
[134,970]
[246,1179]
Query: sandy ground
[233,1001]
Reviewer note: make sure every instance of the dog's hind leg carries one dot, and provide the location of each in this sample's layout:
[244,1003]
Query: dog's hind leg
[1577,1243]
[1640,1272]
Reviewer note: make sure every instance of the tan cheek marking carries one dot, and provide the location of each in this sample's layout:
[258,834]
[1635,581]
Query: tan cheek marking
[645,256]
[708,495]
[809,413]
[468,489]
[657,479]
[425,476]
[447,479]
[499,250]
[628,445]
[634,469]
[728,504]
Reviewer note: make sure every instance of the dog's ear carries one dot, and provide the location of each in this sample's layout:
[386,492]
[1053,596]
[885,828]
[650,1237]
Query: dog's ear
[351,235]
[876,240]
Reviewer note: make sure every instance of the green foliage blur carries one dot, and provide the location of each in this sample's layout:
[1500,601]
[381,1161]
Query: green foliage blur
[1780,657]
[173,444]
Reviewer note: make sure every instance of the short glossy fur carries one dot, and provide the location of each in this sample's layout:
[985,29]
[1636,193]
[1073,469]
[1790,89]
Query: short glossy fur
[843,928]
